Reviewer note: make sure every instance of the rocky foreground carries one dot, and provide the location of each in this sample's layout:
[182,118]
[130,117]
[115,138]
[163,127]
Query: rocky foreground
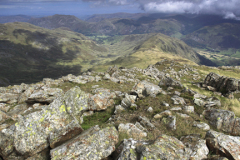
[123,114]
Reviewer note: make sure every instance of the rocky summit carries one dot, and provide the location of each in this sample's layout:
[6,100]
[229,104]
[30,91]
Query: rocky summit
[167,111]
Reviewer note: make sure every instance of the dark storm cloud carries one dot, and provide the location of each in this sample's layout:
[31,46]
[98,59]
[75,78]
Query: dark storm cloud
[227,8]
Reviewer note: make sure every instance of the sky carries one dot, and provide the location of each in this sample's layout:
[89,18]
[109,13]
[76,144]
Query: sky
[226,8]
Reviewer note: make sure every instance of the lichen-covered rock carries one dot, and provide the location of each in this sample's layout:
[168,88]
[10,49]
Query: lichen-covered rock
[236,127]
[127,150]
[144,89]
[222,83]
[199,102]
[46,95]
[178,100]
[6,141]
[168,81]
[164,147]
[78,80]
[76,101]
[198,149]
[24,96]
[115,80]
[201,125]
[145,122]
[101,100]
[132,131]
[9,98]
[4,107]
[3,116]
[119,109]
[188,109]
[43,155]
[176,109]
[16,110]
[49,81]
[113,69]
[221,119]
[106,76]
[170,122]
[49,127]
[163,114]
[224,144]
[68,78]
[183,115]
[92,144]
[150,110]
[212,101]
[152,71]
[128,100]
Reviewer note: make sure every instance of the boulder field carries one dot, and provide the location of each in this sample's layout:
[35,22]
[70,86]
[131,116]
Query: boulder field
[122,114]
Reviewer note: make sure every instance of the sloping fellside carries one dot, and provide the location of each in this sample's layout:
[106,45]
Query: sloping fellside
[156,48]
[29,53]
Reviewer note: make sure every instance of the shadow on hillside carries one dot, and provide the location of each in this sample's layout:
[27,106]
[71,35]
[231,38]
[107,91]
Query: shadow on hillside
[205,61]
[27,64]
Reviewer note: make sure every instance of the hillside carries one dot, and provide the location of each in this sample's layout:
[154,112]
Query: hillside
[165,111]
[145,49]
[221,42]
[14,18]
[217,37]
[112,26]
[57,21]
[100,17]
[28,53]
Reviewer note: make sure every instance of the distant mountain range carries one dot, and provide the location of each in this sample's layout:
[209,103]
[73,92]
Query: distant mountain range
[63,44]
[195,30]
[29,53]
[15,18]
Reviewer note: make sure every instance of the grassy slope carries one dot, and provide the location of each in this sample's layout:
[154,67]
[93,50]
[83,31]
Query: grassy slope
[29,53]
[153,48]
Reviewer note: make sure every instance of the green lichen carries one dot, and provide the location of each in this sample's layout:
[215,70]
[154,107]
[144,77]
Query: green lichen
[132,151]
[42,119]
[62,108]
[17,124]
[69,108]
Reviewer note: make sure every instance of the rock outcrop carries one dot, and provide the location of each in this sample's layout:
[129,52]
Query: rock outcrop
[164,147]
[223,120]
[92,144]
[144,89]
[225,145]
[221,83]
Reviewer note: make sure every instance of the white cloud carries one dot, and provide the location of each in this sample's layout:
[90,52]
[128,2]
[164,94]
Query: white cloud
[220,7]
[173,7]
[231,15]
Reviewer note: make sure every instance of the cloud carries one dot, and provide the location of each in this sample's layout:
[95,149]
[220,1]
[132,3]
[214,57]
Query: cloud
[226,8]
[168,7]
[220,7]
[231,15]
